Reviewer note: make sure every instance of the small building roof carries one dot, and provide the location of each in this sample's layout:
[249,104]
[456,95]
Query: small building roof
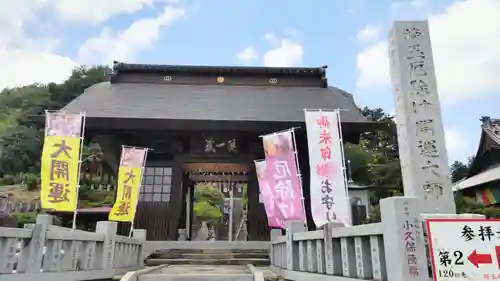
[486,165]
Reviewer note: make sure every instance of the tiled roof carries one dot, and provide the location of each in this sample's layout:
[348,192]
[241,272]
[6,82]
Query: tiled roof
[211,102]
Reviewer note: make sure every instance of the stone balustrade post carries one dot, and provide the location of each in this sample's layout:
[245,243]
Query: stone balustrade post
[140,234]
[108,228]
[292,249]
[274,233]
[33,262]
[403,235]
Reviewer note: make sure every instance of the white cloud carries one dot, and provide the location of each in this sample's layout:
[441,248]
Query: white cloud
[373,66]
[25,60]
[370,32]
[411,3]
[125,44]
[466,44]
[456,142]
[99,11]
[248,55]
[285,52]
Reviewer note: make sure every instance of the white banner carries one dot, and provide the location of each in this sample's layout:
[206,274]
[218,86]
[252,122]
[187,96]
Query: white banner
[329,199]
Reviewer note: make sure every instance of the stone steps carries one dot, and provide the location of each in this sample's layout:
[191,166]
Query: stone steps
[208,261]
[210,251]
[199,273]
[208,255]
[197,277]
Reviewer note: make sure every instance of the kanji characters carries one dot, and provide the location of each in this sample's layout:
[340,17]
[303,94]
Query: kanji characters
[59,169]
[123,208]
[61,148]
[59,192]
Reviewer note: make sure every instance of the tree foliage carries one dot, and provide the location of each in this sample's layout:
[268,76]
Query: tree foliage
[20,137]
[207,206]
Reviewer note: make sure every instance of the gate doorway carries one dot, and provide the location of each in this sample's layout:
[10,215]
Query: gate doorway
[216,203]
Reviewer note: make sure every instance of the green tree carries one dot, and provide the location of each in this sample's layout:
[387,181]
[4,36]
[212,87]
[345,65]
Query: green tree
[460,170]
[207,206]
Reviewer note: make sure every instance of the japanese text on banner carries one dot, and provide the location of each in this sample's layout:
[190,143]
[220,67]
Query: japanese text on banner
[129,183]
[274,216]
[282,175]
[329,202]
[60,162]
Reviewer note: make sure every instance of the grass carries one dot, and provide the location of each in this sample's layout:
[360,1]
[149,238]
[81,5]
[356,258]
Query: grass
[19,192]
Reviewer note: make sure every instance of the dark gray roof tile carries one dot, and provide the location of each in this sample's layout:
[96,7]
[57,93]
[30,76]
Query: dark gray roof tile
[202,102]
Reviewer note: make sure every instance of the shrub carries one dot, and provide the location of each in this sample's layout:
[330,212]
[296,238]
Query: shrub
[7,180]
[207,206]
[31,181]
[24,218]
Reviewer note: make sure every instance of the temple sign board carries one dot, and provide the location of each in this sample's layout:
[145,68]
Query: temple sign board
[464,249]
[422,150]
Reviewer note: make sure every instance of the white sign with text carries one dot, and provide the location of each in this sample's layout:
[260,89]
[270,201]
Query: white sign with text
[464,249]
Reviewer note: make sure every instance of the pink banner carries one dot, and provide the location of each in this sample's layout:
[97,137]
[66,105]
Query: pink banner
[133,157]
[274,217]
[63,124]
[282,175]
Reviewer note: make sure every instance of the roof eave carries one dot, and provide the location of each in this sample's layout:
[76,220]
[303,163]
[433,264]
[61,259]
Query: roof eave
[121,67]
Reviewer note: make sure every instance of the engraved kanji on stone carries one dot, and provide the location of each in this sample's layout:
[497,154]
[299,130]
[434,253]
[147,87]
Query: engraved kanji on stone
[59,192]
[418,68]
[425,127]
[123,208]
[59,170]
[416,53]
[428,148]
[432,189]
[431,167]
[412,33]
[61,148]
[419,87]
[425,104]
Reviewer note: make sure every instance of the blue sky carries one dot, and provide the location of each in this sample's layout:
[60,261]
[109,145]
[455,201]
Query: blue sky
[348,36]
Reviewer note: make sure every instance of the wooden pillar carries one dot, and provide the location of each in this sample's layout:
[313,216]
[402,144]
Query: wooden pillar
[253,202]
[175,205]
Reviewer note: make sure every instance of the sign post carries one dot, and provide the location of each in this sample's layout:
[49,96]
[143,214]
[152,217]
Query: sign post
[464,249]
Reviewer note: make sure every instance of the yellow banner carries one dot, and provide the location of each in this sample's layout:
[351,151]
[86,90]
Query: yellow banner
[129,181]
[59,173]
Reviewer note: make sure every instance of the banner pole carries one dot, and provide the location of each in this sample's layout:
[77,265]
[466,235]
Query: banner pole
[138,192]
[339,127]
[82,136]
[299,174]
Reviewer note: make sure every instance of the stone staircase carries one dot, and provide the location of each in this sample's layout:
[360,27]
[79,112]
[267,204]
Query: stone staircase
[242,257]
[205,264]
[200,273]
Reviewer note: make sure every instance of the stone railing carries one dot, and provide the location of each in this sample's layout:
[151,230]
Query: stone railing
[43,251]
[393,250]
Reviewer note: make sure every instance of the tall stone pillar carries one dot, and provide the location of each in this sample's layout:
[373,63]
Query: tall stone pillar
[422,150]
